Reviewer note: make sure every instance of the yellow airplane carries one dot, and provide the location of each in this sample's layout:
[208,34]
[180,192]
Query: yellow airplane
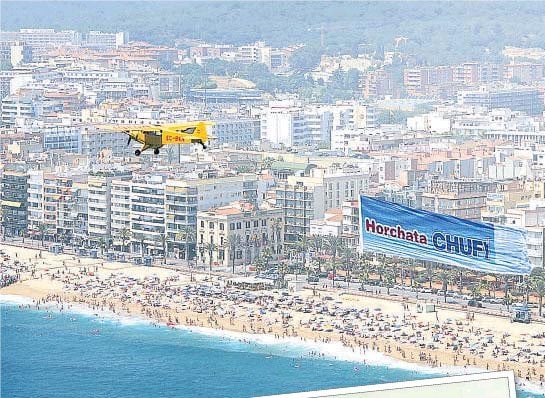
[156,136]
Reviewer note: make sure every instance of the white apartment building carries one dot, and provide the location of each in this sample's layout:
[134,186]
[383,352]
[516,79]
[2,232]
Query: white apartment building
[148,216]
[42,40]
[100,203]
[331,224]
[290,123]
[14,107]
[531,217]
[120,213]
[102,40]
[67,138]
[58,201]
[93,141]
[283,123]
[35,199]
[306,197]
[240,132]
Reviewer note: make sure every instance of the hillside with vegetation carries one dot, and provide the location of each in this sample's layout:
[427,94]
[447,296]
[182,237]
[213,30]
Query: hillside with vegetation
[436,32]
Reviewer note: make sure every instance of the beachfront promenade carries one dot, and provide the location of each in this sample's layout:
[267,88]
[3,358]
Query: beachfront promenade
[363,323]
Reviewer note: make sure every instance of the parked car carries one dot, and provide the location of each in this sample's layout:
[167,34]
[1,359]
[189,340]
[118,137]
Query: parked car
[475,303]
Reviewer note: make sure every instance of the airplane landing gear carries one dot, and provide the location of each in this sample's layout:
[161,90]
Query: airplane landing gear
[137,152]
[156,151]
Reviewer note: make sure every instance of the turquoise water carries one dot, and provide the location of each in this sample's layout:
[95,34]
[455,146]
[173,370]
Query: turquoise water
[61,355]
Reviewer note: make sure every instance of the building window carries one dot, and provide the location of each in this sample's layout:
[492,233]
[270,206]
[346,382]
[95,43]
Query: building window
[202,224]
[239,225]
[232,226]
[222,226]
[256,223]
[247,224]
[211,225]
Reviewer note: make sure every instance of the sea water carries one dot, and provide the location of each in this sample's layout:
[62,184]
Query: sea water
[70,354]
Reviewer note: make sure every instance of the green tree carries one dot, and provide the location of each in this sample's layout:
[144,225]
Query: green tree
[389,279]
[101,244]
[537,284]
[349,259]
[210,248]
[476,290]
[333,243]
[42,228]
[301,248]
[164,245]
[188,236]
[233,242]
[278,228]
[446,278]
[125,235]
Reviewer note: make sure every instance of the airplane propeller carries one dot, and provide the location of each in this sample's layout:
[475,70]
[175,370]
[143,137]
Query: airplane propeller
[129,141]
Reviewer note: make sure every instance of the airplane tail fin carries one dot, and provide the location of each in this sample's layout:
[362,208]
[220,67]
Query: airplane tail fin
[202,131]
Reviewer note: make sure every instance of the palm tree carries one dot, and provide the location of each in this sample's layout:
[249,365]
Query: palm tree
[142,248]
[431,273]
[381,268]
[476,290]
[445,277]
[317,244]
[363,267]
[267,256]
[124,235]
[537,283]
[254,246]
[389,279]
[210,248]
[460,282]
[42,228]
[277,226]
[333,244]
[101,244]
[349,258]
[164,245]
[233,242]
[266,163]
[302,247]
[412,271]
[506,287]
[187,235]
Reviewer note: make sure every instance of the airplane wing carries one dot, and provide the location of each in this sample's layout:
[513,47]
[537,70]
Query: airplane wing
[125,128]
[181,127]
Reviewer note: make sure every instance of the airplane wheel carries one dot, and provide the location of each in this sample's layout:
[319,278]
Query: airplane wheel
[137,152]
[156,151]
[204,146]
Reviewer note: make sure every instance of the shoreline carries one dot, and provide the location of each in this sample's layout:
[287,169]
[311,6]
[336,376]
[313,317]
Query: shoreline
[292,344]
[360,326]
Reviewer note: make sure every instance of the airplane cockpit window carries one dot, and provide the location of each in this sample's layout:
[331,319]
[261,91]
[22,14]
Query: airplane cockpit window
[189,130]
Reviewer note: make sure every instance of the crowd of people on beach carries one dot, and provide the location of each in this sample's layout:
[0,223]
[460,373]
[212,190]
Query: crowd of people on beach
[320,316]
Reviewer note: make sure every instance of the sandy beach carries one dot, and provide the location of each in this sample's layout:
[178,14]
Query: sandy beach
[362,324]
